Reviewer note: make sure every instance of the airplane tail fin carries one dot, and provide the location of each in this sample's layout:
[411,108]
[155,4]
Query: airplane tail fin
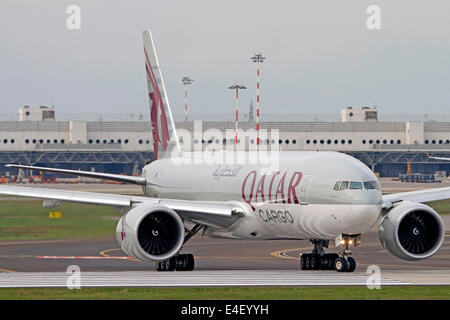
[160,113]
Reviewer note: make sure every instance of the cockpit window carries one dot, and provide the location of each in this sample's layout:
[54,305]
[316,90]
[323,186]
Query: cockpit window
[368,185]
[336,186]
[356,185]
[371,185]
[376,185]
[344,185]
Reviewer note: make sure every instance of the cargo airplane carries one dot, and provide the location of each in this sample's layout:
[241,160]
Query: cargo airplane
[316,196]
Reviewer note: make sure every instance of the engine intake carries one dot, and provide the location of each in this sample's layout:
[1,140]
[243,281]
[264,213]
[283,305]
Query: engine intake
[157,233]
[150,233]
[412,231]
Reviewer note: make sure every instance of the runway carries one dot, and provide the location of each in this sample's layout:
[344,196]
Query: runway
[192,279]
[219,262]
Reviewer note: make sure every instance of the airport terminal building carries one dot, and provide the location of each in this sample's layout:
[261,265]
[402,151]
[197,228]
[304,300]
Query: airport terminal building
[123,147]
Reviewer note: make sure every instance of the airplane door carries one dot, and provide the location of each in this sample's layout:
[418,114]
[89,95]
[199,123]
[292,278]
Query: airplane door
[304,189]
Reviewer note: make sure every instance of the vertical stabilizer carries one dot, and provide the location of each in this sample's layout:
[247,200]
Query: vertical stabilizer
[163,126]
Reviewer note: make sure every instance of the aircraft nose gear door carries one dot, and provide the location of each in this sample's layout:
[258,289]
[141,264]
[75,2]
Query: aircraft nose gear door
[304,188]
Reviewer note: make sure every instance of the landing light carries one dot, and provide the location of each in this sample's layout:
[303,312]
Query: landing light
[346,240]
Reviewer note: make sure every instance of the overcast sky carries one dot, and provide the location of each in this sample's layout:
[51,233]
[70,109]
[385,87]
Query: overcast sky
[320,55]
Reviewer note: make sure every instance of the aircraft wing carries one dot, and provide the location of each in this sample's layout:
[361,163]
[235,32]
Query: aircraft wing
[108,176]
[420,196]
[211,213]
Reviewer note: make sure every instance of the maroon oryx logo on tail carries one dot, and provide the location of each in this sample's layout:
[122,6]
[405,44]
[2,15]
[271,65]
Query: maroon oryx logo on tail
[157,103]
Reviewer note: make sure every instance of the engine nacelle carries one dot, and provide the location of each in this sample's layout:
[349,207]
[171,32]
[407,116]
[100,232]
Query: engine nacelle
[412,231]
[150,233]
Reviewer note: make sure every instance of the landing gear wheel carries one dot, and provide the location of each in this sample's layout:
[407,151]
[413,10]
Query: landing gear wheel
[330,265]
[308,261]
[332,260]
[312,261]
[191,262]
[303,262]
[166,265]
[316,262]
[185,262]
[351,264]
[340,265]
[328,261]
[319,260]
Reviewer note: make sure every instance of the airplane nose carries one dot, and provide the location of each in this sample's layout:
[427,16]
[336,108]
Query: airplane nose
[367,197]
[365,216]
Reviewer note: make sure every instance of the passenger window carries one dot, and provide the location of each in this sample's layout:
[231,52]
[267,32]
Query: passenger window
[344,185]
[336,186]
[356,185]
[368,185]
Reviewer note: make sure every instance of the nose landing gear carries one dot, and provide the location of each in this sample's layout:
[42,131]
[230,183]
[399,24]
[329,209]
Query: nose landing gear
[345,264]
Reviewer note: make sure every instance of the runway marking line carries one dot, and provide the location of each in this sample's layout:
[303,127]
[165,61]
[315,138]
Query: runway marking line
[282,253]
[32,242]
[84,257]
[104,254]
[7,270]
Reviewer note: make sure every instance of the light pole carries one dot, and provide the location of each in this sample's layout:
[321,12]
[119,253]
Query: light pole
[237,87]
[186,81]
[258,58]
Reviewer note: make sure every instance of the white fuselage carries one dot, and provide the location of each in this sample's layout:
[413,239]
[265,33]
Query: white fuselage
[296,200]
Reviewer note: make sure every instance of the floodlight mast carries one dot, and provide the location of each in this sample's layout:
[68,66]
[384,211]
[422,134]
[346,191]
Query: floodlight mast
[237,87]
[258,58]
[186,81]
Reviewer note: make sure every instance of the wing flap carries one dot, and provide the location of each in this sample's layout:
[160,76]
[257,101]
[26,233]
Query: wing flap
[214,214]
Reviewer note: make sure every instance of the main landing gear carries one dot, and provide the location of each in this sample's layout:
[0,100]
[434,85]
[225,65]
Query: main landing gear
[181,262]
[342,262]
[318,260]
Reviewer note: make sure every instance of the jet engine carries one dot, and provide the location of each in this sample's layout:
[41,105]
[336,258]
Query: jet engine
[150,233]
[412,231]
